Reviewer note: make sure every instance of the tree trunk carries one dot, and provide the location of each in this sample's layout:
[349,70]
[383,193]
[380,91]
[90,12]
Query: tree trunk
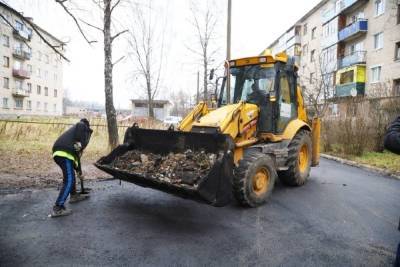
[108,84]
[205,66]
[150,99]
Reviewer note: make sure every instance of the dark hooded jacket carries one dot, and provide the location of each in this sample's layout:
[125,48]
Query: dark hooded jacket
[81,133]
[392,137]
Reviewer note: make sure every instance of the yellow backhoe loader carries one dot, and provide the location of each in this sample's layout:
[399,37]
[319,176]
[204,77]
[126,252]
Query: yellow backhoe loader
[258,132]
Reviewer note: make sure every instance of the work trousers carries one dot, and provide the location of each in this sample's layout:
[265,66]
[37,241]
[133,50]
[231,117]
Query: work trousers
[69,187]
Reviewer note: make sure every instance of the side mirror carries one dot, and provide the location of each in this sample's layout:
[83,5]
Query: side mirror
[211,74]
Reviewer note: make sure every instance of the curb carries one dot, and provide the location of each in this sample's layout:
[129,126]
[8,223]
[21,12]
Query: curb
[362,166]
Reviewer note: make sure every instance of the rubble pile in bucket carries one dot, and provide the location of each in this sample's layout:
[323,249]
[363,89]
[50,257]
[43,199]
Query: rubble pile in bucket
[177,168]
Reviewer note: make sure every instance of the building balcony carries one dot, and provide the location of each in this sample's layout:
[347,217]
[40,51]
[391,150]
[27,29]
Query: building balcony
[23,74]
[328,14]
[19,92]
[350,81]
[22,54]
[350,89]
[347,6]
[354,58]
[294,40]
[353,30]
[22,35]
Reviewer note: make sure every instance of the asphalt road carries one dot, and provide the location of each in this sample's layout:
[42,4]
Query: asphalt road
[342,217]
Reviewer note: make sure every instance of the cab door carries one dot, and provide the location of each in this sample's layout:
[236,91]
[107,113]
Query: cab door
[287,105]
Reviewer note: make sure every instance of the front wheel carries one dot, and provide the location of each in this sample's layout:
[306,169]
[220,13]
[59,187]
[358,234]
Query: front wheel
[299,160]
[254,178]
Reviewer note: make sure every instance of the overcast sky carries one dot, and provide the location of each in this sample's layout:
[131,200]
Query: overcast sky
[255,24]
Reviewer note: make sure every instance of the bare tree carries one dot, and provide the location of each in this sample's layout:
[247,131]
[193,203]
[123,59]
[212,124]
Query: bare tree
[106,8]
[318,84]
[147,50]
[181,103]
[204,22]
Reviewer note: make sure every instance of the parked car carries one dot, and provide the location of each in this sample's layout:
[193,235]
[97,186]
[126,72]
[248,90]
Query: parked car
[174,120]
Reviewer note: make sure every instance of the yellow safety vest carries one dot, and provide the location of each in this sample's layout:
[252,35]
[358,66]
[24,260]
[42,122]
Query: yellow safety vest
[67,155]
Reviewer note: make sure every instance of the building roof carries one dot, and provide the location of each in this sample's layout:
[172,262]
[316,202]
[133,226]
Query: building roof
[21,15]
[302,19]
[145,101]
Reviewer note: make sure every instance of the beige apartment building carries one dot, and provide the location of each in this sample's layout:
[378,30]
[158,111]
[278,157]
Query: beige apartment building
[350,47]
[30,71]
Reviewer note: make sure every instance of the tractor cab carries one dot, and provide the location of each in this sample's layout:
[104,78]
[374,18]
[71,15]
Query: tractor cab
[268,82]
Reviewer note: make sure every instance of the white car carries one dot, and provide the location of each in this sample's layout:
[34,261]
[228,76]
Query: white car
[174,120]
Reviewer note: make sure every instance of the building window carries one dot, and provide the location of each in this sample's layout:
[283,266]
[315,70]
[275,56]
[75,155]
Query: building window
[6,82]
[55,77]
[29,87]
[18,25]
[397,51]
[312,55]
[312,74]
[17,65]
[378,40]
[19,103]
[6,62]
[5,102]
[30,68]
[46,91]
[46,73]
[55,92]
[38,89]
[29,104]
[398,14]
[55,107]
[18,84]
[305,49]
[39,55]
[45,106]
[376,74]
[39,73]
[305,29]
[396,87]
[6,41]
[313,32]
[379,7]
[38,105]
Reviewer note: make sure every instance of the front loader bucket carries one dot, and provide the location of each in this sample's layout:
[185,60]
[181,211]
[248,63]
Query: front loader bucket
[214,188]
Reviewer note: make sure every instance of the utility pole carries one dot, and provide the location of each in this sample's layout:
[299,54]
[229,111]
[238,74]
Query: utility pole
[228,51]
[228,31]
[198,87]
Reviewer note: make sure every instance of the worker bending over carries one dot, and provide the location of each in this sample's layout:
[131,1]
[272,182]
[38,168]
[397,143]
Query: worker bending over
[67,152]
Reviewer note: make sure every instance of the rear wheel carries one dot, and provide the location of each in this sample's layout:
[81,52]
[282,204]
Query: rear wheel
[299,160]
[254,179]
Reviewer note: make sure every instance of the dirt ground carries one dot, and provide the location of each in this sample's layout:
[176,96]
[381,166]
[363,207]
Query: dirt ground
[23,169]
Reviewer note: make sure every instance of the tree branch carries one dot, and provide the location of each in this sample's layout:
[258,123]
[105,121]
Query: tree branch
[61,2]
[118,34]
[91,25]
[118,60]
[37,32]
[116,4]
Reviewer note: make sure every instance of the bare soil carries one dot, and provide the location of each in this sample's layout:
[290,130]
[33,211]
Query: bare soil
[24,169]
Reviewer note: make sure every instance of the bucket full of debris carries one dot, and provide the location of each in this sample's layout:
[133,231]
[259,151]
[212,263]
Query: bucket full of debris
[191,165]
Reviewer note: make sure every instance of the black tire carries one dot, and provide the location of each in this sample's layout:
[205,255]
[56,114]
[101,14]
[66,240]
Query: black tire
[294,176]
[244,190]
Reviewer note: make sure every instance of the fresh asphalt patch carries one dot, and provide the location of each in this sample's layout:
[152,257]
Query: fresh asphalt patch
[343,216]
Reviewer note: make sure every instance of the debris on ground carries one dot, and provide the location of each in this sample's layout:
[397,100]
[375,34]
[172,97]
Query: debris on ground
[177,168]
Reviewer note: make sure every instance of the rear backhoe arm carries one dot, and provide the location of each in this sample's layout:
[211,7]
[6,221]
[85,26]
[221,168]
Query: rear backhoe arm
[197,112]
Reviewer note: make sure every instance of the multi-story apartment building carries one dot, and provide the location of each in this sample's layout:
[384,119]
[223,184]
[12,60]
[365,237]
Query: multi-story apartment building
[30,71]
[351,46]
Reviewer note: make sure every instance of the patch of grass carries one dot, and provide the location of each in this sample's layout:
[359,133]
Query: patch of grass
[385,160]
